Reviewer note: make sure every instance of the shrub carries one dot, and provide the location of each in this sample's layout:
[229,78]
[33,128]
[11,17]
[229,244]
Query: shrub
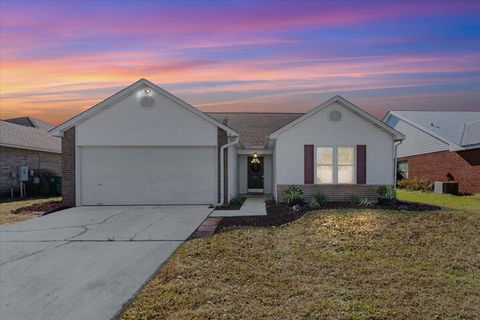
[387,192]
[238,200]
[269,199]
[314,204]
[415,184]
[294,195]
[354,200]
[321,199]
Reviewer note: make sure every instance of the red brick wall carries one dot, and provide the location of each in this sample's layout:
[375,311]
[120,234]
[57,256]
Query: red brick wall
[334,192]
[68,168]
[464,166]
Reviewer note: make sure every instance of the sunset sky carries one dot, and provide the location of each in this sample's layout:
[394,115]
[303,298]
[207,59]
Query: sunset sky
[61,57]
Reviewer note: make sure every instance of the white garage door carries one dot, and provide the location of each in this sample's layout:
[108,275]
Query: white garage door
[148,175]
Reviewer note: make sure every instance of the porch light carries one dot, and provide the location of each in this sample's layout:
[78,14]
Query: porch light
[255,159]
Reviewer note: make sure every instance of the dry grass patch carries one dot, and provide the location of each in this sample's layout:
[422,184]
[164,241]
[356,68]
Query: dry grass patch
[341,264]
[7,207]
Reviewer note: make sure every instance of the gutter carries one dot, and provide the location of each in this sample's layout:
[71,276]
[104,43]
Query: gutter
[396,144]
[222,169]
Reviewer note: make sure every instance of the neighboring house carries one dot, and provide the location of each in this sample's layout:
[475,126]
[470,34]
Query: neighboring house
[439,146]
[26,142]
[143,146]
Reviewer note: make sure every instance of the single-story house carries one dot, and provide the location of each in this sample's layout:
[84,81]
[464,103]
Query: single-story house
[439,146]
[25,141]
[144,145]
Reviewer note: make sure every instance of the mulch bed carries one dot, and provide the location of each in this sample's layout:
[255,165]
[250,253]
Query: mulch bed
[44,207]
[281,214]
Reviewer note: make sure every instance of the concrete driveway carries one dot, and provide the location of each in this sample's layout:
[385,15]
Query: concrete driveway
[87,262]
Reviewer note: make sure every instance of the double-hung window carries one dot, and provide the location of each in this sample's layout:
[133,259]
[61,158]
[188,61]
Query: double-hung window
[335,165]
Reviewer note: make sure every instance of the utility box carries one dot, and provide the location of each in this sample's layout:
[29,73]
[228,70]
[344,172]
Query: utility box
[446,187]
[23,173]
[55,186]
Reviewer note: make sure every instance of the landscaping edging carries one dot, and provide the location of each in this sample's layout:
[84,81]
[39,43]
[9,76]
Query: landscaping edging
[280,214]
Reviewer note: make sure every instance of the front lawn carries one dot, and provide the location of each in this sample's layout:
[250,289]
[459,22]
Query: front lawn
[334,264]
[7,206]
[468,203]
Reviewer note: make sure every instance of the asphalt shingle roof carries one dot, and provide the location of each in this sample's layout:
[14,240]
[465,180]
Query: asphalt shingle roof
[25,137]
[459,127]
[31,122]
[254,127]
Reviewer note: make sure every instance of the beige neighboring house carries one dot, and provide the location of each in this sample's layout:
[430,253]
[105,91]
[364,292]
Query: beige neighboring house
[25,141]
[145,146]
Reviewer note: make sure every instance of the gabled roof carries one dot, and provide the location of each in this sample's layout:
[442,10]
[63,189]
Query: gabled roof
[459,129]
[23,137]
[31,122]
[254,127]
[140,84]
[350,106]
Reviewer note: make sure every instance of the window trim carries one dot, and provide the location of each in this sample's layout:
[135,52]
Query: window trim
[335,164]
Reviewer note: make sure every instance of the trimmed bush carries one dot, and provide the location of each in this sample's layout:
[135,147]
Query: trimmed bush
[294,195]
[321,199]
[415,184]
[238,200]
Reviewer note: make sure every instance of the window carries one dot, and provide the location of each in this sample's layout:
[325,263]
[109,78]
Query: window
[324,165]
[402,170]
[335,165]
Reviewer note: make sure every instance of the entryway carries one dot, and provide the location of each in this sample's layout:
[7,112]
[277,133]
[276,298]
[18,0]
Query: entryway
[255,174]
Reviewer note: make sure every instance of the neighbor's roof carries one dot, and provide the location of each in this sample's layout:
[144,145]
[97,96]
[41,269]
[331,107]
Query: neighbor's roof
[31,122]
[254,127]
[24,137]
[457,128]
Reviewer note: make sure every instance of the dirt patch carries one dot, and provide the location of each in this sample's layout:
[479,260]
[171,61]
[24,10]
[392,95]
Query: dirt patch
[279,214]
[42,208]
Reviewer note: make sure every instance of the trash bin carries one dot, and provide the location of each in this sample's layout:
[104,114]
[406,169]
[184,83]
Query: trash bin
[54,186]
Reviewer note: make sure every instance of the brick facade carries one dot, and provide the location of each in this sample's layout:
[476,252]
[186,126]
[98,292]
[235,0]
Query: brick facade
[42,163]
[464,166]
[334,192]
[222,140]
[68,168]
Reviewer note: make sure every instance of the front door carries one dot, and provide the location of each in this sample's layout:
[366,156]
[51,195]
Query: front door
[255,174]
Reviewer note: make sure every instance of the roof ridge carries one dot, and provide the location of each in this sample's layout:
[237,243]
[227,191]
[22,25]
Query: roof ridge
[433,110]
[240,112]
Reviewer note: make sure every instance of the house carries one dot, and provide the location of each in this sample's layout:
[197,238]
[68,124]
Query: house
[143,145]
[439,146]
[26,142]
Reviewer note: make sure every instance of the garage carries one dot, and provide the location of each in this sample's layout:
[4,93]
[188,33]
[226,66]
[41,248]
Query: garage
[116,175]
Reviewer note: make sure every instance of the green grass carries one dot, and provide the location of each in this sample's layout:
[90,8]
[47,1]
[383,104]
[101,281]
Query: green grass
[467,203]
[335,264]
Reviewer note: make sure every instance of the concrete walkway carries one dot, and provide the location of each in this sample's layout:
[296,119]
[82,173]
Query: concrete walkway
[253,206]
[88,262]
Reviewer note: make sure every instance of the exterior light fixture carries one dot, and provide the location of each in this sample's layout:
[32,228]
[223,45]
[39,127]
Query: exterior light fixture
[255,159]
[146,91]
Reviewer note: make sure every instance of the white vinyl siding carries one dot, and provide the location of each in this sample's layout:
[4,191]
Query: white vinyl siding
[319,130]
[416,141]
[128,123]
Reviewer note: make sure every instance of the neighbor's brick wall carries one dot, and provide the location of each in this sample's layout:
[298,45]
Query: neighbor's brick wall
[464,166]
[68,168]
[38,161]
[334,192]
[222,140]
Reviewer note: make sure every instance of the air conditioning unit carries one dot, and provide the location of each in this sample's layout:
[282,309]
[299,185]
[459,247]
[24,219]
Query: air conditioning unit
[446,187]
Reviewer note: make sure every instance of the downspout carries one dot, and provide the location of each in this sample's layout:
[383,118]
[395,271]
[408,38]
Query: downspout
[222,169]
[396,143]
